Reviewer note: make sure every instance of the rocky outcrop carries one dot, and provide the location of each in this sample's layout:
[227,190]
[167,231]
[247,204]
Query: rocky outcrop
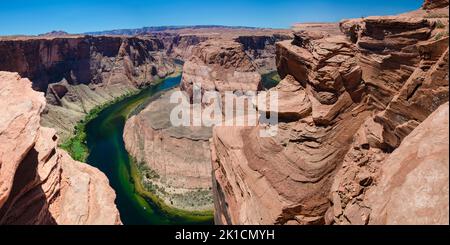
[179,46]
[293,100]
[39,183]
[434,4]
[285,179]
[423,91]
[407,187]
[413,185]
[262,50]
[325,64]
[391,49]
[79,73]
[174,161]
[220,65]
[347,103]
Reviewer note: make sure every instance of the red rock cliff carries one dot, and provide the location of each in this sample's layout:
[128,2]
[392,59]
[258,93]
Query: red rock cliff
[39,183]
[348,105]
[78,73]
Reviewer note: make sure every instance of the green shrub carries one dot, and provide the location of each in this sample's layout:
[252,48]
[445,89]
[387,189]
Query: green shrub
[440,25]
[441,35]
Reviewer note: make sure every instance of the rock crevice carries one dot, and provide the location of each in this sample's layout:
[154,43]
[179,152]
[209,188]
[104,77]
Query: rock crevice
[41,184]
[352,104]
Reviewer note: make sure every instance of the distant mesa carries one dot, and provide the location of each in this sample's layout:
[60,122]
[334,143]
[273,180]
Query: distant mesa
[153,29]
[54,34]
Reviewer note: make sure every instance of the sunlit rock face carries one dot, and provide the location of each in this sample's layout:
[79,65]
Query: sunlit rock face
[353,103]
[78,73]
[412,186]
[175,159]
[179,158]
[39,183]
[220,65]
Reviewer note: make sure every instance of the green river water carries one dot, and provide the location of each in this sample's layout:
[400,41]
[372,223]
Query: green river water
[107,152]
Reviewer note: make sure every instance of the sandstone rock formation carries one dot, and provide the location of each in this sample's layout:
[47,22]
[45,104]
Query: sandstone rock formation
[347,103]
[39,183]
[180,46]
[434,4]
[262,49]
[409,186]
[79,73]
[176,161]
[423,90]
[413,185]
[285,179]
[220,65]
[180,156]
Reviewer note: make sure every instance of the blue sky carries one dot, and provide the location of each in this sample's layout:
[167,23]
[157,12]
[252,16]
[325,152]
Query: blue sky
[40,16]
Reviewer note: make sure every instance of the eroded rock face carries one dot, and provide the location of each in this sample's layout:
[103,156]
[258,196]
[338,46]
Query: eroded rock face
[82,60]
[284,179]
[413,185]
[175,159]
[262,50]
[278,180]
[409,186]
[78,73]
[364,93]
[179,46]
[389,51]
[325,64]
[39,183]
[434,4]
[220,65]
[423,91]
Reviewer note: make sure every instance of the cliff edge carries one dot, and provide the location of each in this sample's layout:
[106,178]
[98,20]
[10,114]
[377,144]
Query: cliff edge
[39,183]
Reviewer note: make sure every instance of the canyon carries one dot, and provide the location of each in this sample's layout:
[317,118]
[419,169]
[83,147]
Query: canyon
[362,133]
[178,157]
[79,74]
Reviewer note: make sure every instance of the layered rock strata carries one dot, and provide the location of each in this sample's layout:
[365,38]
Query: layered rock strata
[78,73]
[174,161]
[220,65]
[285,179]
[180,156]
[262,50]
[412,186]
[348,102]
[39,183]
[422,91]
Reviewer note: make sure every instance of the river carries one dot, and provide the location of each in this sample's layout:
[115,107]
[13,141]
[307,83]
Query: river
[107,152]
